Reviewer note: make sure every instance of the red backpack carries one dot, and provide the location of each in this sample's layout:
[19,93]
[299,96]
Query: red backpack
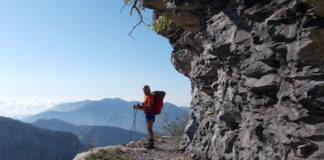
[158,101]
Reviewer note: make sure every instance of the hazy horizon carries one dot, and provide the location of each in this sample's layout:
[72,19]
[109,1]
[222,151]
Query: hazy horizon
[13,109]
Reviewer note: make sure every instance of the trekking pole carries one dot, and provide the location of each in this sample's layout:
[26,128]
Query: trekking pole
[134,125]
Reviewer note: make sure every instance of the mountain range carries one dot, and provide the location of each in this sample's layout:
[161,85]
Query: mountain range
[21,141]
[106,112]
[91,135]
[68,128]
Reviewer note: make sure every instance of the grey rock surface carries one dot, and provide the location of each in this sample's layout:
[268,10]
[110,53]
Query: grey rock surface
[257,75]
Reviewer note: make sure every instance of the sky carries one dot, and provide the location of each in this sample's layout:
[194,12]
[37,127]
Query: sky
[54,51]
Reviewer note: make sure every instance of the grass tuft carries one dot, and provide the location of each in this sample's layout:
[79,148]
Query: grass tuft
[115,154]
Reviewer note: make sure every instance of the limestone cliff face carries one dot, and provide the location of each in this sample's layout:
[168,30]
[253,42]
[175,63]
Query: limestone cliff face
[257,74]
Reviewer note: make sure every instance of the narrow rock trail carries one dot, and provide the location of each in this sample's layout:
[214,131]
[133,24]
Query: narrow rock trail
[165,149]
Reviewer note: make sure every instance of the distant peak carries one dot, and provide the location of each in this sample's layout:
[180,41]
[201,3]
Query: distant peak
[110,99]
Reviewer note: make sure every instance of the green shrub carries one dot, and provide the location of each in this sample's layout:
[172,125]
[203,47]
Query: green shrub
[174,126]
[162,23]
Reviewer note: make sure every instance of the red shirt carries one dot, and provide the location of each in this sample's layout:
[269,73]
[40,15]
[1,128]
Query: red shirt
[148,101]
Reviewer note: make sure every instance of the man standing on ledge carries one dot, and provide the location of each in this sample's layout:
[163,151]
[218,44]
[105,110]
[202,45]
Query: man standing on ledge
[150,116]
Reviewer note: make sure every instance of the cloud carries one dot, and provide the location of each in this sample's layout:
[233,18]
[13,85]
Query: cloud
[11,108]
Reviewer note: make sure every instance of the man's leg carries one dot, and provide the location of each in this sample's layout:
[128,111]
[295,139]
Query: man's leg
[149,127]
[150,118]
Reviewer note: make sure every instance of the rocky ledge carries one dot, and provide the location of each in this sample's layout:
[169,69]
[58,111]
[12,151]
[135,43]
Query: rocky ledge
[166,148]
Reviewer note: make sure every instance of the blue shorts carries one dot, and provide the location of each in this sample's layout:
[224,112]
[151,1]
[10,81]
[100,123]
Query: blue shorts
[150,117]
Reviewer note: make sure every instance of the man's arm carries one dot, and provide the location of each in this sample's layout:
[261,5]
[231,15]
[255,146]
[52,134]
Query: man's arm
[140,107]
[144,107]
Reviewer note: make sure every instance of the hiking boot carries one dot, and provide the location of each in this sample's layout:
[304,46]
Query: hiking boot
[150,145]
[148,141]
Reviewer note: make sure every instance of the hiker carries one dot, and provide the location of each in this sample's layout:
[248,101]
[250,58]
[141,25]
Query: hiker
[149,114]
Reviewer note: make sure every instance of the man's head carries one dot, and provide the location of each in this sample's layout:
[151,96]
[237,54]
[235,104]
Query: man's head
[146,90]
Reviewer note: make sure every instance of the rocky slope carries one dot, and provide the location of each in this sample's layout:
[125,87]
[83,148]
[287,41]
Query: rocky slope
[20,141]
[257,73]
